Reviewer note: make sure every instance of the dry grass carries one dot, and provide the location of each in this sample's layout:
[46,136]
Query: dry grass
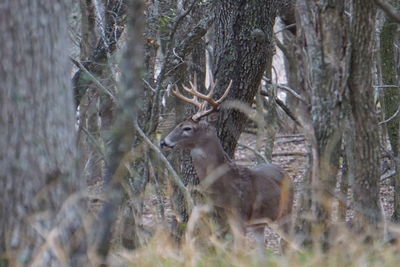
[161,251]
[202,248]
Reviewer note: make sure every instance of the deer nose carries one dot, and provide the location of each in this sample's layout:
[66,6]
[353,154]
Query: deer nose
[162,143]
[166,143]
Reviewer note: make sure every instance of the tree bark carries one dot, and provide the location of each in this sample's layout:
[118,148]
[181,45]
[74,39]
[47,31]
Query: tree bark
[96,64]
[361,94]
[324,26]
[40,223]
[243,43]
[123,134]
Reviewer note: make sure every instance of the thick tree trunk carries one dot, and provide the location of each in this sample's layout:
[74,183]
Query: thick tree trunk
[243,43]
[324,28]
[296,59]
[361,93]
[37,145]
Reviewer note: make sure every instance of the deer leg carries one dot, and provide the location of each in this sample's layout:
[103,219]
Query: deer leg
[285,226]
[258,232]
[238,230]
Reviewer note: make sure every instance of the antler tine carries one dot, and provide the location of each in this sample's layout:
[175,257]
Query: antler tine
[208,97]
[202,107]
[202,111]
[212,88]
[193,90]
[222,98]
[192,101]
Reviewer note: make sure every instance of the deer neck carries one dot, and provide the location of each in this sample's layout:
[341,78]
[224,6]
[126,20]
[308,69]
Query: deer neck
[208,155]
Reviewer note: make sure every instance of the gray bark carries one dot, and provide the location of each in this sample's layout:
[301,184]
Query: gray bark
[324,26]
[361,94]
[37,141]
[195,65]
[122,139]
[243,43]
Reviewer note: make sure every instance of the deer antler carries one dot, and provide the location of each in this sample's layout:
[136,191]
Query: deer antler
[207,99]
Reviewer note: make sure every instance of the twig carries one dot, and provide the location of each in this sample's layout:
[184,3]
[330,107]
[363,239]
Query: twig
[389,10]
[96,143]
[288,89]
[148,85]
[290,154]
[388,176]
[111,30]
[258,154]
[175,176]
[286,28]
[179,19]
[391,117]
[294,139]
[290,136]
[282,105]
[386,86]
[93,78]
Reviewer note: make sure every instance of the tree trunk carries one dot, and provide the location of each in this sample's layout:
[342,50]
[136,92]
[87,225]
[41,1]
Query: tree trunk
[289,50]
[97,108]
[324,28]
[37,145]
[123,134]
[243,43]
[361,94]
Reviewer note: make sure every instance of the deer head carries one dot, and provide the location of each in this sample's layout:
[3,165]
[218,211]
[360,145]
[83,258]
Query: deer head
[190,132]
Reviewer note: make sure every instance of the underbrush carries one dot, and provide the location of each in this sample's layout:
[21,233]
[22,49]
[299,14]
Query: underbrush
[161,251]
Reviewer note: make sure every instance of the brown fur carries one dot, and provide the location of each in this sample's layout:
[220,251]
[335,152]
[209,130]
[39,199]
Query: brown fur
[247,195]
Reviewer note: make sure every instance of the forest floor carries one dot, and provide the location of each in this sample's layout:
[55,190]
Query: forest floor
[289,152]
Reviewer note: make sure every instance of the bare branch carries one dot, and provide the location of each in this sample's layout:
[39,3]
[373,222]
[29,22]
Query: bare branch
[287,89]
[96,144]
[391,117]
[385,86]
[180,52]
[389,10]
[258,154]
[115,21]
[282,105]
[388,175]
[94,79]
[290,154]
[286,28]
[175,177]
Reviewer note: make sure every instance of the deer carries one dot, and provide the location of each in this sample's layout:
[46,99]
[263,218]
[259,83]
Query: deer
[248,196]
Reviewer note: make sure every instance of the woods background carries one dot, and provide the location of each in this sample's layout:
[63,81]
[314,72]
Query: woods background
[86,97]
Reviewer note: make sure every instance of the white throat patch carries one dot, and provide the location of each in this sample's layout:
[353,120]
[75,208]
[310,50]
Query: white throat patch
[198,153]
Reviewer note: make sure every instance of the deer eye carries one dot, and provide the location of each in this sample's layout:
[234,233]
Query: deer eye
[187,129]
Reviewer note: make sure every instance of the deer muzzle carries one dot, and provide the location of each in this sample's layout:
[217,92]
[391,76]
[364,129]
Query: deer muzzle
[164,143]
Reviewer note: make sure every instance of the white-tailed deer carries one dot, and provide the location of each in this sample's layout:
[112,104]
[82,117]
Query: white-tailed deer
[249,196]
